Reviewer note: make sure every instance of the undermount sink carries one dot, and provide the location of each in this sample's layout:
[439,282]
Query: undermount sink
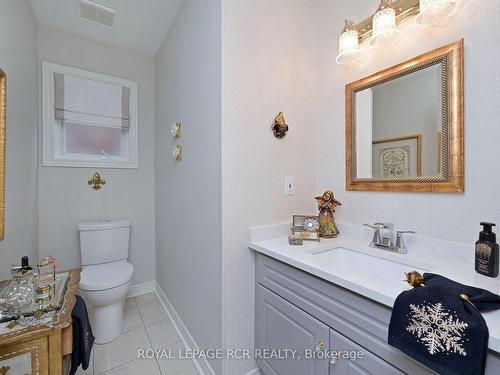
[364,268]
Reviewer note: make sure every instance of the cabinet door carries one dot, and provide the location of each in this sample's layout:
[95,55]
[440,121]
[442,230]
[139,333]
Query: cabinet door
[366,363]
[280,325]
[30,358]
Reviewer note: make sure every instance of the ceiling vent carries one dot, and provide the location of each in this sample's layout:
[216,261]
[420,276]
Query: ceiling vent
[95,12]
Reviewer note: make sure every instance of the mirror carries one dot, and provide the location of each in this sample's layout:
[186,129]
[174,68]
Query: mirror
[400,122]
[3,119]
[404,125]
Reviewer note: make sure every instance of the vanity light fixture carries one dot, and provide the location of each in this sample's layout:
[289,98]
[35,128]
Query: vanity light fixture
[381,29]
[434,12]
[385,31]
[348,44]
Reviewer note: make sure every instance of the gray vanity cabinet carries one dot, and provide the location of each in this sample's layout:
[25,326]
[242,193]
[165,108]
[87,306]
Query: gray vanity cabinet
[295,309]
[367,364]
[283,326]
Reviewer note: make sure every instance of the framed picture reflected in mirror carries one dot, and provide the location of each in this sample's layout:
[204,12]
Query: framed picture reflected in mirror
[397,157]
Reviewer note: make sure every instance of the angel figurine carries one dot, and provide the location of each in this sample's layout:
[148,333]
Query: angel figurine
[326,205]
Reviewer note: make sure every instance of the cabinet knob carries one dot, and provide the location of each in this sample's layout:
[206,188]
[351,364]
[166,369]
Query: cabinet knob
[320,345]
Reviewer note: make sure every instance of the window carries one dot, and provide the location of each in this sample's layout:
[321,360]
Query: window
[89,119]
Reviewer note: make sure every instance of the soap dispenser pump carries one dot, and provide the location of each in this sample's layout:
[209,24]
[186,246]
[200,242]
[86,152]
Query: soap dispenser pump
[487,251]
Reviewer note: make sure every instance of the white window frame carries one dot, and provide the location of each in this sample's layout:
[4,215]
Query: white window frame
[52,131]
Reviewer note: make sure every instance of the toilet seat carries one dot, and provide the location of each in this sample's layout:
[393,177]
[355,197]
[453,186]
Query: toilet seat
[106,276]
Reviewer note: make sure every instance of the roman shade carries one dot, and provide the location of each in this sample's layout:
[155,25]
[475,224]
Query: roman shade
[87,101]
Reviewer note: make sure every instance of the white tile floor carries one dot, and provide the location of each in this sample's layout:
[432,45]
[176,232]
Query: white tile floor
[146,325]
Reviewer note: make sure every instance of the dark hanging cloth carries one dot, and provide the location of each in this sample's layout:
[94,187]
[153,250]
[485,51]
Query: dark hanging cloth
[83,339]
[438,327]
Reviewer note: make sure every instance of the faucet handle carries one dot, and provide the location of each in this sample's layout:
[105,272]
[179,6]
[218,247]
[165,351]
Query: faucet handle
[400,246]
[377,227]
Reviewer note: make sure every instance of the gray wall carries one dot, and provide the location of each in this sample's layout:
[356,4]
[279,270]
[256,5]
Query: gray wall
[64,196]
[270,64]
[188,193]
[18,60]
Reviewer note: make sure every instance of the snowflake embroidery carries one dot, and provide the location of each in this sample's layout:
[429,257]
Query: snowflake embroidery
[437,328]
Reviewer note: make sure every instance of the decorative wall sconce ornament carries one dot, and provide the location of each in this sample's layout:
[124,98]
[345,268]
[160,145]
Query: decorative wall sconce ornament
[96,181]
[385,31]
[176,130]
[177,152]
[381,28]
[327,205]
[348,44]
[279,127]
[434,12]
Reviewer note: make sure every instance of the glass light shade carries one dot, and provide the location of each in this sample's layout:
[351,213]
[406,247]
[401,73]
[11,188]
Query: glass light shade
[348,47]
[385,31]
[434,12]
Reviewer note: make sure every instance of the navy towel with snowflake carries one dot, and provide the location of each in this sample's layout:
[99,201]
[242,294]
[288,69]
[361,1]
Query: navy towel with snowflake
[440,325]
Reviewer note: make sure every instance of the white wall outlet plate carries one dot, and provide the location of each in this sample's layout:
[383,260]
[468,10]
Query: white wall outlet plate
[289,185]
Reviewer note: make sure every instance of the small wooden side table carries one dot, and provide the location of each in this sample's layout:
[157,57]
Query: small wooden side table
[41,350]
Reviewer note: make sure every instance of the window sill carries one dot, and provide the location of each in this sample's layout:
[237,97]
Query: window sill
[112,164]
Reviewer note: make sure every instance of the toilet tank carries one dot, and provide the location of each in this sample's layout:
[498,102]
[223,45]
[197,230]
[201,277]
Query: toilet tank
[104,241]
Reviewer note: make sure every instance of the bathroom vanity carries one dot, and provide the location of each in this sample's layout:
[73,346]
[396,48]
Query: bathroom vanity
[41,349]
[336,295]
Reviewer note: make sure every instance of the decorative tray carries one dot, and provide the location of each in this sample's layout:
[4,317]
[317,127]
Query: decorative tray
[56,302]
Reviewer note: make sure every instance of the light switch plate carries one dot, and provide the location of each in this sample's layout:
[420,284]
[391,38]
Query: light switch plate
[289,185]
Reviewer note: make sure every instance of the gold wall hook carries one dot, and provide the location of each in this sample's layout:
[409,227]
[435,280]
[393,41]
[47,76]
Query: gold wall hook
[96,181]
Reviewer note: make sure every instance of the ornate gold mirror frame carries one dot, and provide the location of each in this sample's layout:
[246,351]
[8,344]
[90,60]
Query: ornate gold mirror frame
[451,179]
[3,120]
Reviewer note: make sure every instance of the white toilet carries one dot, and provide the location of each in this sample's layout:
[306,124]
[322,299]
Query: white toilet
[106,276]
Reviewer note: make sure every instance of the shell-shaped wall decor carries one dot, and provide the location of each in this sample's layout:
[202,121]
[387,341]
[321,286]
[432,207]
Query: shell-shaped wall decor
[177,152]
[175,130]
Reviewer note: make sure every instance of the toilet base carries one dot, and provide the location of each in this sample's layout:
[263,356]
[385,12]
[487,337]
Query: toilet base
[107,322]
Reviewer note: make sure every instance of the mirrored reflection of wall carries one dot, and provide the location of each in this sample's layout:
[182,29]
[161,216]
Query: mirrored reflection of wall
[411,106]
[400,120]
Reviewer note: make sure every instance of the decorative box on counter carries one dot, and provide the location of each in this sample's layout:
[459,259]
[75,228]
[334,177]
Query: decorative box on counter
[295,237]
[307,225]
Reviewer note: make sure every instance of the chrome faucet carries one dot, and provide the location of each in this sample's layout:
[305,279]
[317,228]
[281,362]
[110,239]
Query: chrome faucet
[385,238]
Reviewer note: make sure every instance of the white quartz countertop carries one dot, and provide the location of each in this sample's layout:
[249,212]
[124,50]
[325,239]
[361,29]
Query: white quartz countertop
[388,286]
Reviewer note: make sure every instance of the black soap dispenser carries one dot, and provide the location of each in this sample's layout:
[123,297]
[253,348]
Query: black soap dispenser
[487,251]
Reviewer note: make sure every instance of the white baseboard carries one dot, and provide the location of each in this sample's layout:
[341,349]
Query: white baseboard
[144,288]
[202,365]
[255,371]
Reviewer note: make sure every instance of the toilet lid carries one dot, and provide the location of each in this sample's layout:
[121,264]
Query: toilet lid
[106,276]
